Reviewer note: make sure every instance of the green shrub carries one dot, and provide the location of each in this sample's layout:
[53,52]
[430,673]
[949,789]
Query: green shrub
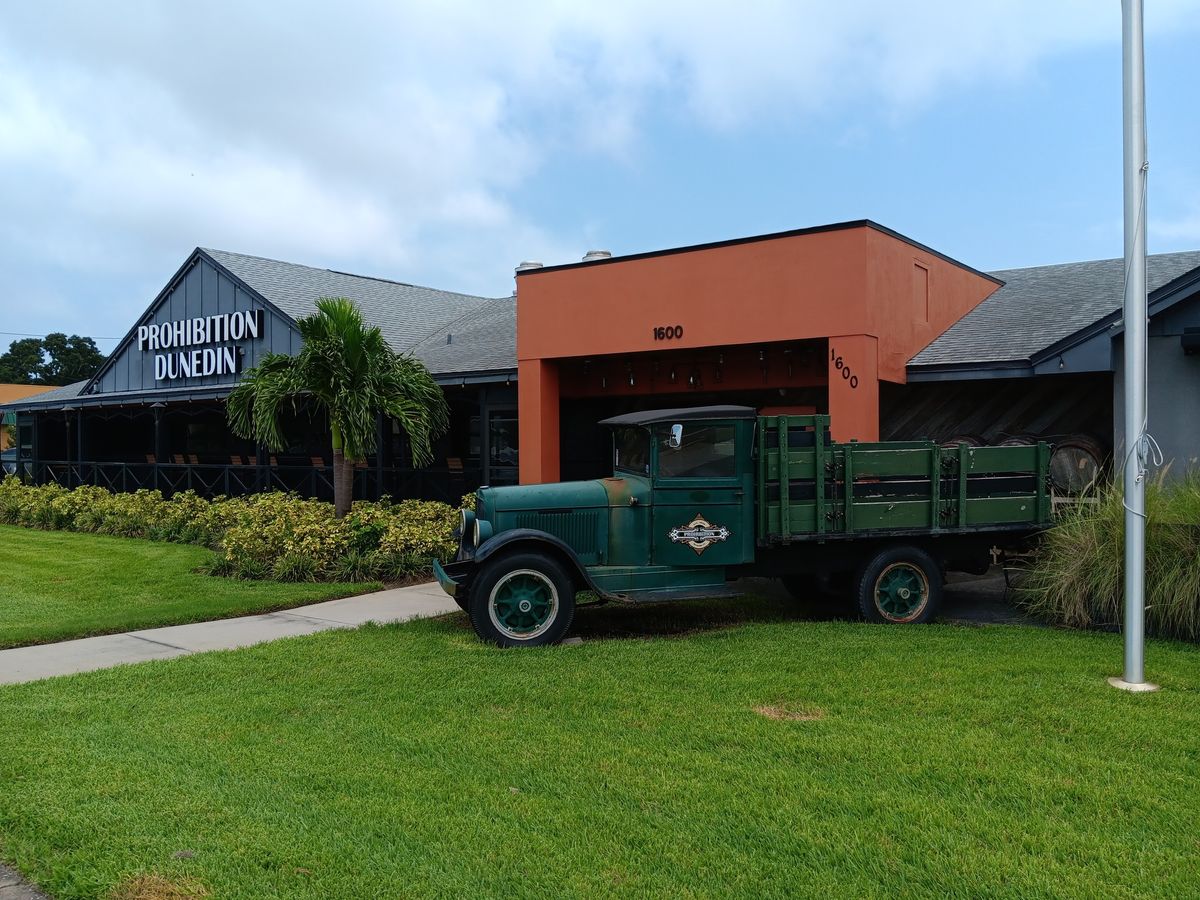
[1077,577]
[394,567]
[217,565]
[353,566]
[397,567]
[365,533]
[294,567]
[425,528]
[263,535]
[249,569]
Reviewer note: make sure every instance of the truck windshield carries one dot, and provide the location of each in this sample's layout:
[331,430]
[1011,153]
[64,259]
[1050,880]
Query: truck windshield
[631,450]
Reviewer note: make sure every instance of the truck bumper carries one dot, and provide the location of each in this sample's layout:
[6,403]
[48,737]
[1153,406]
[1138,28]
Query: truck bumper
[453,576]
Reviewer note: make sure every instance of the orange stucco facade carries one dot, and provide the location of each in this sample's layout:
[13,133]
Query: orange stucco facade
[839,308]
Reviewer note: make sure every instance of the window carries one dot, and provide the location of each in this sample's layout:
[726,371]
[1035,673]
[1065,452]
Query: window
[631,450]
[706,451]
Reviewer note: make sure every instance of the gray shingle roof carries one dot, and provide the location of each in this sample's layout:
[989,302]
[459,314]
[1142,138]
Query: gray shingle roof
[1040,306]
[406,313]
[482,340]
[66,392]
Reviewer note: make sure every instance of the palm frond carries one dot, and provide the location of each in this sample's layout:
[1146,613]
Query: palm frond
[254,407]
[346,369]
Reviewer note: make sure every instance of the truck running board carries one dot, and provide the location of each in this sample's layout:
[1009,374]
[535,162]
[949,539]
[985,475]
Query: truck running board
[685,593]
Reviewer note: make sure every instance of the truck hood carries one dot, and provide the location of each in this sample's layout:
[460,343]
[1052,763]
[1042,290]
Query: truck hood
[594,494]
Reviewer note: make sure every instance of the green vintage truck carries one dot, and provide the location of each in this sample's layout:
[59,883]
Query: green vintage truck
[700,497]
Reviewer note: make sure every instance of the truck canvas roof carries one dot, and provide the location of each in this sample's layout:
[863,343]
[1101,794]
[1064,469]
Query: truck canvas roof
[653,416]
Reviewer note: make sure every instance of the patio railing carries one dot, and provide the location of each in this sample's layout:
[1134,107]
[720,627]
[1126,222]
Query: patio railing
[209,480]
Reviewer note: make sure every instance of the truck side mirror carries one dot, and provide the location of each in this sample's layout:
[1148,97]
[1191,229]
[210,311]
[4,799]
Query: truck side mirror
[676,437]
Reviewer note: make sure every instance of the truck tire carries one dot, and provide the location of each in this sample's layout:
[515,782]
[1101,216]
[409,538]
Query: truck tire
[899,585]
[522,600]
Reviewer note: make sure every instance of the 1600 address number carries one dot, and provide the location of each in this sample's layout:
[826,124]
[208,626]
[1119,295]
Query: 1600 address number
[841,366]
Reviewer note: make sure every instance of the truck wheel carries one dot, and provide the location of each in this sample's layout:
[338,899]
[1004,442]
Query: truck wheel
[901,585]
[522,600]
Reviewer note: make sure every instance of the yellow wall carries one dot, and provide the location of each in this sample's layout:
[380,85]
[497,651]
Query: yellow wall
[10,392]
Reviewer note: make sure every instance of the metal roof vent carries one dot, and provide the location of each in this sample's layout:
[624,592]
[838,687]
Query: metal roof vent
[593,255]
[527,265]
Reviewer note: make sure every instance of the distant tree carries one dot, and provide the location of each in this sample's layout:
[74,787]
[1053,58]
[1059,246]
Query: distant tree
[55,359]
[347,370]
[69,359]
[22,364]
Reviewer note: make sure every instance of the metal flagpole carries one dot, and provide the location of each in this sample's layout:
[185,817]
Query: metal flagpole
[1136,170]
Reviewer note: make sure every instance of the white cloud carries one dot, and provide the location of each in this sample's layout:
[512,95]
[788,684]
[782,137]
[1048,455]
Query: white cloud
[397,139]
[1183,229]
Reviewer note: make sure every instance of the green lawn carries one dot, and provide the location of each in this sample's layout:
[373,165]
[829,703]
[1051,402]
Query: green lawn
[414,761]
[56,585]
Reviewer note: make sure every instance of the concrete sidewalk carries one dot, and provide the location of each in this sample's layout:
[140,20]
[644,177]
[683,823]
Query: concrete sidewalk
[84,655]
[14,887]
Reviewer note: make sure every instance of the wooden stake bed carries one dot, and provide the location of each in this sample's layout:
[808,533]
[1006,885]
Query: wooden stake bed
[810,487]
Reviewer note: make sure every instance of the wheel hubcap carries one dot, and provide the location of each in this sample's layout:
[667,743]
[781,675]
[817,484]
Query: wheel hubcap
[523,604]
[901,592]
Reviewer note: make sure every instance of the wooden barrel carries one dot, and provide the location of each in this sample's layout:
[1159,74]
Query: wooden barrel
[971,440]
[1022,439]
[1077,463]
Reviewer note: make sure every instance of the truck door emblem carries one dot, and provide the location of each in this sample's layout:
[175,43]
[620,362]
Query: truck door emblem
[698,534]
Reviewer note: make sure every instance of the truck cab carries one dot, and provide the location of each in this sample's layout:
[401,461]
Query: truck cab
[676,513]
[701,496]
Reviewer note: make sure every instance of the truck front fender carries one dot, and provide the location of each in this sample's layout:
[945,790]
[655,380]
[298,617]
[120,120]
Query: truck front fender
[541,541]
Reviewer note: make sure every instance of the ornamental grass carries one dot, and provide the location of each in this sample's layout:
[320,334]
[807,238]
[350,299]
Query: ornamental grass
[1077,576]
[268,535]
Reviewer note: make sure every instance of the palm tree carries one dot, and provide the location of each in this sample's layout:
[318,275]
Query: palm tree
[346,369]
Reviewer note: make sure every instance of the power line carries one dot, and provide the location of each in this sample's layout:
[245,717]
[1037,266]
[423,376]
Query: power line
[27,334]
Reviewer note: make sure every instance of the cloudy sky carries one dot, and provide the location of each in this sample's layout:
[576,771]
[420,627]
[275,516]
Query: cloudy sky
[442,143]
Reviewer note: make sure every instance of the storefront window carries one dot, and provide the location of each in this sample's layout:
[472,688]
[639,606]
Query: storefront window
[502,447]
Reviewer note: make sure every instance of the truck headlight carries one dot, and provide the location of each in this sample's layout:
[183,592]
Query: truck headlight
[483,531]
[466,524]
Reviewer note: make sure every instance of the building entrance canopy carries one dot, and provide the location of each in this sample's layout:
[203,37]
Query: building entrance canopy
[839,308]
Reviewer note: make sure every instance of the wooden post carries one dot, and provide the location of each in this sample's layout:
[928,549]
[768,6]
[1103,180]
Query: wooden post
[935,487]
[79,442]
[785,479]
[962,485]
[379,433]
[820,425]
[763,513]
[1043,498]
[848,481]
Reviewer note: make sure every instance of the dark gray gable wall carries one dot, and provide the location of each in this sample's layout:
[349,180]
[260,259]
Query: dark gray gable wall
[200,289]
